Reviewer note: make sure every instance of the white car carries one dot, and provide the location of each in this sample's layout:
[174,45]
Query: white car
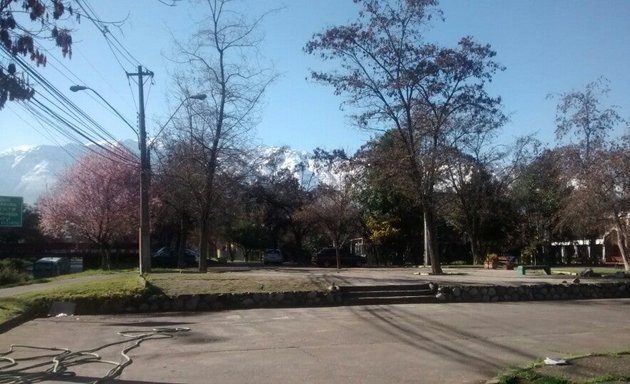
[272,256]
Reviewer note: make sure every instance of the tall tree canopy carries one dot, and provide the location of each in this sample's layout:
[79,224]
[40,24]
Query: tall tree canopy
[582,113]
[396,80]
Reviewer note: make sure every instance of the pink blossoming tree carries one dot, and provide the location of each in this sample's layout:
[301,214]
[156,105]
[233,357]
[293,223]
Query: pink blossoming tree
[96,201]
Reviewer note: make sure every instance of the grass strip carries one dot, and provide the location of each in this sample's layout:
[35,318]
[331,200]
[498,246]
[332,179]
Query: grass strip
[118,286]
[128,284]
[532,374]
[174,284]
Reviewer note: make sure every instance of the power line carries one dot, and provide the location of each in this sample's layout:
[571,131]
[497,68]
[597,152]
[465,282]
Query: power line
[118,49]
[56,110]
[67,124]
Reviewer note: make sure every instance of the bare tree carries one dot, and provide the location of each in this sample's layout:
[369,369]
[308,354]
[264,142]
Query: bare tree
[221,60]
[596,165]
[614,185]
[175,185]
[581,112]
[600,200]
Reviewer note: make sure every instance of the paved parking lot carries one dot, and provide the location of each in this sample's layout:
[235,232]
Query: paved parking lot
[425,343]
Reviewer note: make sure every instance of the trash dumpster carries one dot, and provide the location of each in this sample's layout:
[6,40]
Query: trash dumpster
[50,267]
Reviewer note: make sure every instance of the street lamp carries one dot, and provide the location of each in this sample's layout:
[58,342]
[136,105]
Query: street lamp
[145,169]
[77,88]
[201,96]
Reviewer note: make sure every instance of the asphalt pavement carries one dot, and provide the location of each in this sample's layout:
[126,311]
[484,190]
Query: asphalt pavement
[422,343]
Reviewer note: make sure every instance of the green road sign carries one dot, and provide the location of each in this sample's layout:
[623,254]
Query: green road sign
[11,211]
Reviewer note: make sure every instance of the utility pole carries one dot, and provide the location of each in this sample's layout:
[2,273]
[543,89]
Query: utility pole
[145,171]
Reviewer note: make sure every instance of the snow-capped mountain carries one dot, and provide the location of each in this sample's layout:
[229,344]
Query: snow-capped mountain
[299,163]
[29,171]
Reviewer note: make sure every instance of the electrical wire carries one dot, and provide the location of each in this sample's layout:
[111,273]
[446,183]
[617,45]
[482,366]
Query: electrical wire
[62,103]
[56,110]
[42,113]
[42,129]
[59,360]
[119,51]
[71,76]
[117,48]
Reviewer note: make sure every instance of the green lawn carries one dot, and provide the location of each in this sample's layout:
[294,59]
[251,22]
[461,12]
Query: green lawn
[128,283]
[120,284]
[586,369]
[173,284]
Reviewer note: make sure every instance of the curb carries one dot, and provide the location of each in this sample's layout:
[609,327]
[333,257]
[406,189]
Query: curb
[150,302]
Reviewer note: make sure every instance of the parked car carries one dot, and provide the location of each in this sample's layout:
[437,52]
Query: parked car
[50,267]
[166,257]
[327,257]
[272,256]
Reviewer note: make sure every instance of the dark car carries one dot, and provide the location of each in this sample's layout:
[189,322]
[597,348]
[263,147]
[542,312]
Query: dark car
[166,257]
[272,256]
[327,257]
[51,266]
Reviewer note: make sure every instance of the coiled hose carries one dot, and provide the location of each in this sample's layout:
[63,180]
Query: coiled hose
[12,370]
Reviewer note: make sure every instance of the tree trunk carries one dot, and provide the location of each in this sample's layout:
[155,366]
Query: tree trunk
[431,239]
[105,258]
[623,244]
[475,243]
[474,251]
[425,238]
[204,236]
[181,248]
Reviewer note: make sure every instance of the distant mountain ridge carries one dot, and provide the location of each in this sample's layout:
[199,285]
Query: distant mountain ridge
[30,171]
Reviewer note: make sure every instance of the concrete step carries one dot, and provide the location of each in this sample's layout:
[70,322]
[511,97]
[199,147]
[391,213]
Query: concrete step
[387,294]
[389,287]
[390,300]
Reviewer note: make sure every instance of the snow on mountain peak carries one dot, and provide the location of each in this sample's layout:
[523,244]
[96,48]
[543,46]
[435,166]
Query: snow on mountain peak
[20,149]
[30,171]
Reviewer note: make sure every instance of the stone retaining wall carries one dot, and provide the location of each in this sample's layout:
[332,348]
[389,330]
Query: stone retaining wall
[450,293]
[209,302]
[213,302]
[495,293]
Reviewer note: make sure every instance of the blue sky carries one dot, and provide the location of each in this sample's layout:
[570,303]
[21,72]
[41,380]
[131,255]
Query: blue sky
[548,47]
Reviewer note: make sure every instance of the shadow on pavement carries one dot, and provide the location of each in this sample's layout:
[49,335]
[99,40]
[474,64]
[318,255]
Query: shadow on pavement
[153,324]
[437,337]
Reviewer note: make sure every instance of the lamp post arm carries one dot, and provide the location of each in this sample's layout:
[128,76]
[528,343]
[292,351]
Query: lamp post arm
[76,88]
[152,143]
[201,96]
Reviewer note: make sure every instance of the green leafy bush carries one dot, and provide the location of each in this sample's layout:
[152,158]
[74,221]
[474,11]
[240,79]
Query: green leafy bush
[12,271]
